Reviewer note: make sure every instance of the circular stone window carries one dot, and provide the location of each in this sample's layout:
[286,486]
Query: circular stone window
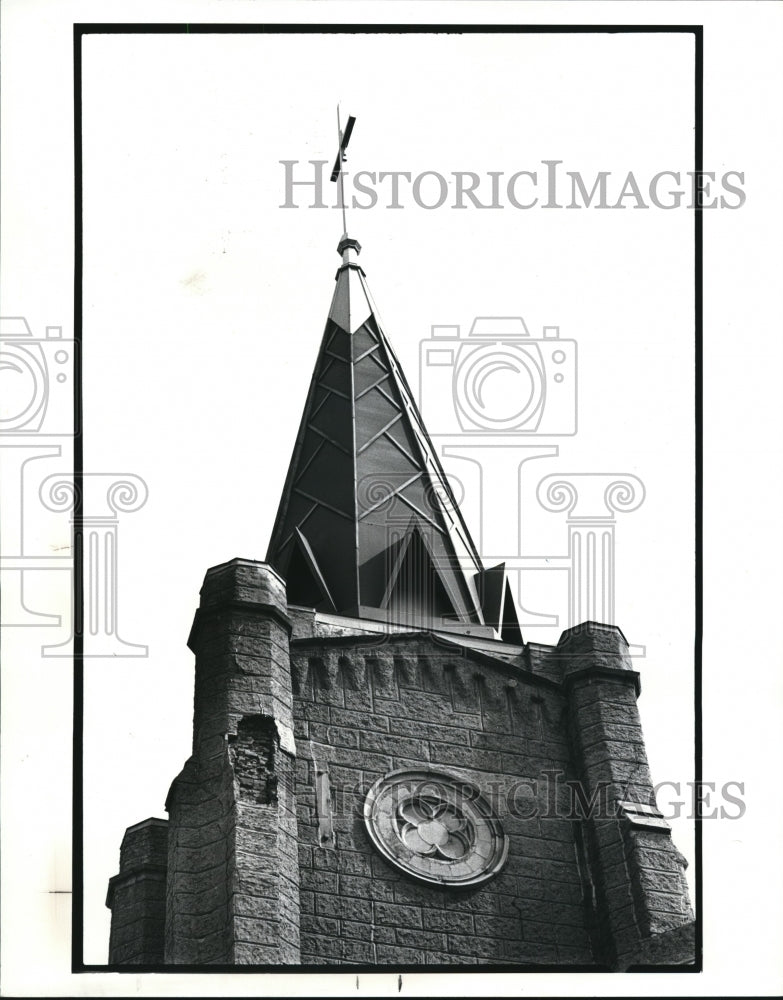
[436,827]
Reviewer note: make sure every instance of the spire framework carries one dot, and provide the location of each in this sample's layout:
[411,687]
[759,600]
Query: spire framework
[368,525]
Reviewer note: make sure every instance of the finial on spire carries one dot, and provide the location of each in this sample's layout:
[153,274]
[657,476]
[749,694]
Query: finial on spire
[349,249]
[337,171]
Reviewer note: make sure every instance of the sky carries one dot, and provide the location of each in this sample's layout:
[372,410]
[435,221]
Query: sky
[205,302]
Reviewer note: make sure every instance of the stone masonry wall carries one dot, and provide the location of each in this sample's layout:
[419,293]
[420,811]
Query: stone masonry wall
[201,864]
[638,874]
[361,712]
[137,896]
[232,888]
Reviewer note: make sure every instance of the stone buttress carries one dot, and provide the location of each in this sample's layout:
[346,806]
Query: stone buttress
[232,887]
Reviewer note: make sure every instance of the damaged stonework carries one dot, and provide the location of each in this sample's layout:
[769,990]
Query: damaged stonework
[251,751]
[233,880]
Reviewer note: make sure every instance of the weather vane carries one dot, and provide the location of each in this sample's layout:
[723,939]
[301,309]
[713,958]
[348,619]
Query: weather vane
[337,171]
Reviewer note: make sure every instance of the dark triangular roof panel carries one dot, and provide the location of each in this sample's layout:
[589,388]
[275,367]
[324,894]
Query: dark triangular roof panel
[415,585]
[381,533]
[305,582]
[497,603]
[510,630]
[490,587]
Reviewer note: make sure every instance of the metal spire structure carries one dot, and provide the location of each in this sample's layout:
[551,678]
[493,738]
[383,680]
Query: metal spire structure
[368,525]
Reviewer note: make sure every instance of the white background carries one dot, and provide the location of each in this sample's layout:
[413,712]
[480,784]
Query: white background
[204,306]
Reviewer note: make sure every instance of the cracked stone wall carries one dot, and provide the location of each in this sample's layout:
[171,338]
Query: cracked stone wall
[232,892]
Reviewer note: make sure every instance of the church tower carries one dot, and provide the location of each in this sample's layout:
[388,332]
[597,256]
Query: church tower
[383,773]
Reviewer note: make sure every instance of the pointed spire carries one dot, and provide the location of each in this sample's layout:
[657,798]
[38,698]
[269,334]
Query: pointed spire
[368,525]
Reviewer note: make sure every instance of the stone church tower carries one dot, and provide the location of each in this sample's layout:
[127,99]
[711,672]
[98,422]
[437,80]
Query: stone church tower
[383,772]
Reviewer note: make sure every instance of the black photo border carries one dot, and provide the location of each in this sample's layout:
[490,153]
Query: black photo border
[79,31]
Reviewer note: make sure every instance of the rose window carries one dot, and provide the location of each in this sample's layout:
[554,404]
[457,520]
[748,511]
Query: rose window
[435,827]
[431,827]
